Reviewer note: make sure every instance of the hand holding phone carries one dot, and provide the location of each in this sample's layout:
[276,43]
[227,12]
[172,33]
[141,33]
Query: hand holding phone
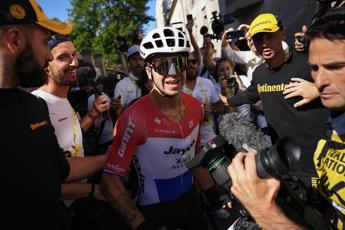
[235,34]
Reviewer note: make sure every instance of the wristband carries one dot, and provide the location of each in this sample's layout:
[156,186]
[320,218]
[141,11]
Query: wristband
[92,190]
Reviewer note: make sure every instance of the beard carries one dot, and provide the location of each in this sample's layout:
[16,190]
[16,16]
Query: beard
[64,81]
[28,72]
[191,74]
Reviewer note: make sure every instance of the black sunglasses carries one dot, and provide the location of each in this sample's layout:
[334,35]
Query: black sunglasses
[192,61]
[56,39]
[163,66]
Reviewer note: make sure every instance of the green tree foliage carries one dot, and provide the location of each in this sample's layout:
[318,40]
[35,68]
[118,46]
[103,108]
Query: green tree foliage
[98,24]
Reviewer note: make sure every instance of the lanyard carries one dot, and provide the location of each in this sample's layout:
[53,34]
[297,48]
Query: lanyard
[75,148]
[205,122]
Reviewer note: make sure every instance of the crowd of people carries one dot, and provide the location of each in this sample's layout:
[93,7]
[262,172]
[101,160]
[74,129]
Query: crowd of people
[77,157]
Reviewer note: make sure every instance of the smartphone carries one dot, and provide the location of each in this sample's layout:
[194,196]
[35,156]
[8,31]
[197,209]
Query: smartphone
[235,34]
[189,17]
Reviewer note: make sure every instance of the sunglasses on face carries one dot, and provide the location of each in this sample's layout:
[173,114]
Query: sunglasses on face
[170,65]
[191,61]
[55,40]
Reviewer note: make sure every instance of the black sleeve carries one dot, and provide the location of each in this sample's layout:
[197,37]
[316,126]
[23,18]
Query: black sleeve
[249,96]
[62,162]
[59,154]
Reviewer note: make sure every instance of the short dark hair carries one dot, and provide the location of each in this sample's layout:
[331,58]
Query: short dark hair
[330,26]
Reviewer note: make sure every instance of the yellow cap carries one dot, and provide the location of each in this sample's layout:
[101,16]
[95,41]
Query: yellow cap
[16,12]
[264,23]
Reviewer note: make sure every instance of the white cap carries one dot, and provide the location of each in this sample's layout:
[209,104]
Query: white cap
[132,50]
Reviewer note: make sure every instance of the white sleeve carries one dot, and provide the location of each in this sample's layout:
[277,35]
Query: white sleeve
[241,57]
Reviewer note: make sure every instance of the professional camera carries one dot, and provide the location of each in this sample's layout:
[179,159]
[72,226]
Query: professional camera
[279,161]
[276,161]
[218,25]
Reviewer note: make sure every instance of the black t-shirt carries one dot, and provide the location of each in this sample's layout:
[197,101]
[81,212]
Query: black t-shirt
[306,124]
[32,164]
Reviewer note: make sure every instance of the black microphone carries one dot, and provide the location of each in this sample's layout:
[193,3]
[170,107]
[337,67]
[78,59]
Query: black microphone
[242,133]
[95,88]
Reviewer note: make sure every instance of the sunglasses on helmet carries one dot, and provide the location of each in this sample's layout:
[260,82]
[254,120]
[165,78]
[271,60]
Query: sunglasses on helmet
[169,65]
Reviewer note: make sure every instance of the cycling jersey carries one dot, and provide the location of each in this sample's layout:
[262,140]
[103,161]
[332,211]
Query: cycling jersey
[329,162]
[160,145]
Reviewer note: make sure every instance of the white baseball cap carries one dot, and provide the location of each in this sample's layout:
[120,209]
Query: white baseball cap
[132,50]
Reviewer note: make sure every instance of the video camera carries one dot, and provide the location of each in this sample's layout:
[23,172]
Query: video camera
[279,161]
[218,25]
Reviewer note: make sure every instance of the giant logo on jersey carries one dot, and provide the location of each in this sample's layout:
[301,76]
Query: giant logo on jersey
[128,133]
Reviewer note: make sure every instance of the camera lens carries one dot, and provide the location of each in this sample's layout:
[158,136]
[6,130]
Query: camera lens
[218,170]
[279,160]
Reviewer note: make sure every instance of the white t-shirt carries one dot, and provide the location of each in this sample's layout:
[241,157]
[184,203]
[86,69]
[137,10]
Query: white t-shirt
[205,92]
[65,122]
[128,90]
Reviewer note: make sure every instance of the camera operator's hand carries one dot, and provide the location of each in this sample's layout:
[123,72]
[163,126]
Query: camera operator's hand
[300,87]
[299,36]
[256,194]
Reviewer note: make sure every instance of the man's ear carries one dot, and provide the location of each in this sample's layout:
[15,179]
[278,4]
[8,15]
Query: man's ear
[149,72]
[15,40]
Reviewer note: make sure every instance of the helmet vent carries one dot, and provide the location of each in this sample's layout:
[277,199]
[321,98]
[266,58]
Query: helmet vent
[156,35]
[181,42]
[171,42]
[148,45]
[159,43]
[168,33]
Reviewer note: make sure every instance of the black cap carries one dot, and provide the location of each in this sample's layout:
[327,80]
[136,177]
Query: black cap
[18,12]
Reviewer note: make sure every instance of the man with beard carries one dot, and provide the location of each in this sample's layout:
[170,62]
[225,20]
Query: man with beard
[306,124]
[62,74]
[33,164]
[131,88]
[205,91]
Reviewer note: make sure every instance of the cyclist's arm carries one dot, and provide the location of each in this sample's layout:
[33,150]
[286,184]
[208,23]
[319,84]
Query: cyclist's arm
[120,201]
[126,139]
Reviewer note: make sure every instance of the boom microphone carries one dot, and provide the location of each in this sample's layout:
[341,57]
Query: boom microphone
[240,132]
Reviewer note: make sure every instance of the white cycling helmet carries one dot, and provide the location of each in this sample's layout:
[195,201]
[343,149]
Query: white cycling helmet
[164,40]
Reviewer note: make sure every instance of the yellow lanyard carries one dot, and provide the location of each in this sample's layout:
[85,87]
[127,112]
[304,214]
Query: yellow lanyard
[75,148]
[209,121]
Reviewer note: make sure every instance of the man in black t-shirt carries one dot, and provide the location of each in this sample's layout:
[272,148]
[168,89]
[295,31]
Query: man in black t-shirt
[32,163]
[305,124]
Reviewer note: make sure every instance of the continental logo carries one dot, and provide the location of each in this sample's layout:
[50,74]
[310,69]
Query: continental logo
[270,88]
[261,23]
[36,125]
[17,11]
